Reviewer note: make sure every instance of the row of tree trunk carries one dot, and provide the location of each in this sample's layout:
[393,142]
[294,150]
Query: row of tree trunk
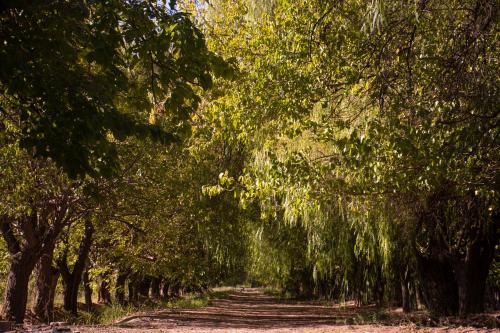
[30,241]
[48,271]
[47,276]
[443,264]
[142,287]
[451,276]
[460,236]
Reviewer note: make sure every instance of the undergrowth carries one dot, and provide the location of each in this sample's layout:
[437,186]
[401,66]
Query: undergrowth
[103,315]
[279,294]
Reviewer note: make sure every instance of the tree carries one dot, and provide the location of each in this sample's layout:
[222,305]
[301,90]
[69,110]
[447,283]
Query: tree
[73,86]
[352,154]
[72,277]
[376,115]
[37,203]
[67,80]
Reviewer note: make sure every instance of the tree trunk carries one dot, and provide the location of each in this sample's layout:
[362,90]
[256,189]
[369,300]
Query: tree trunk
[70,293]
[16,291]
[405,296]
[87,290]
[471,274]
[46,282]
[379,288]
[144,286]
[164,290]
[439,288]
[470,292]
[155,288]
[72,279]
[104,295]
[132,291]
[175,290]
[120,287]
[397,291]
[408,291]
[36,238]
[23,258]
[419,298]
[453,272]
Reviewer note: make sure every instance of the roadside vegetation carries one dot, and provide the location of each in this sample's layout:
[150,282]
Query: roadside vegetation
[337,151]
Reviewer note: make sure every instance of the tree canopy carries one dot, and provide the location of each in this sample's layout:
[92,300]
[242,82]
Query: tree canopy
[332,150]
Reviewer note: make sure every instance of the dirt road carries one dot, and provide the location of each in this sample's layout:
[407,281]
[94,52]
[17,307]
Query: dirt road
[252,311]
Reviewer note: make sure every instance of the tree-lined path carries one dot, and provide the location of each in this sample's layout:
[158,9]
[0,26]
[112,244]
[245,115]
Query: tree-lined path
[250,310]
[328,150]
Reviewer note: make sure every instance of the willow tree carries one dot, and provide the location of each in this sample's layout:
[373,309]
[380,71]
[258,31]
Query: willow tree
[426,130]
[382,112]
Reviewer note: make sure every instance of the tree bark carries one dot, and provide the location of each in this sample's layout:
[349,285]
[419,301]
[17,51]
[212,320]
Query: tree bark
[439,288]
[454,269]
[23,260]
[408,291]
[471,274]
[379,288]
[405,296]
[120,287]
[16,291]
[104,295]
[35,238]
[164,290]
[155,287]
[46,282]
[132,291]
[175,290]
[72,279]
[144,285]
[87,290]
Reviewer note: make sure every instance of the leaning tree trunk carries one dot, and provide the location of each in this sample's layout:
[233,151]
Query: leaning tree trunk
[46,281]
[16,289]
[72,279]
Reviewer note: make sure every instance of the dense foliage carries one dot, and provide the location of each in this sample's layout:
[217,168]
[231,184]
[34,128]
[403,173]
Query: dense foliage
[372,131]
[337,150]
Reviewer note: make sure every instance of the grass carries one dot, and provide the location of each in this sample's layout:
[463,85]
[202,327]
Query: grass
[104,315]
[279,294]
[367,317]
[214,294]
[272,292]
[111,314]
[100,315]
[189,302]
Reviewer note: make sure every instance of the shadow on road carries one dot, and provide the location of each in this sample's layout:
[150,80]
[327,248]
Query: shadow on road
[249,309]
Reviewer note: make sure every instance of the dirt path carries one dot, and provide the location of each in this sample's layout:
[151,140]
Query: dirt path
[252,311]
